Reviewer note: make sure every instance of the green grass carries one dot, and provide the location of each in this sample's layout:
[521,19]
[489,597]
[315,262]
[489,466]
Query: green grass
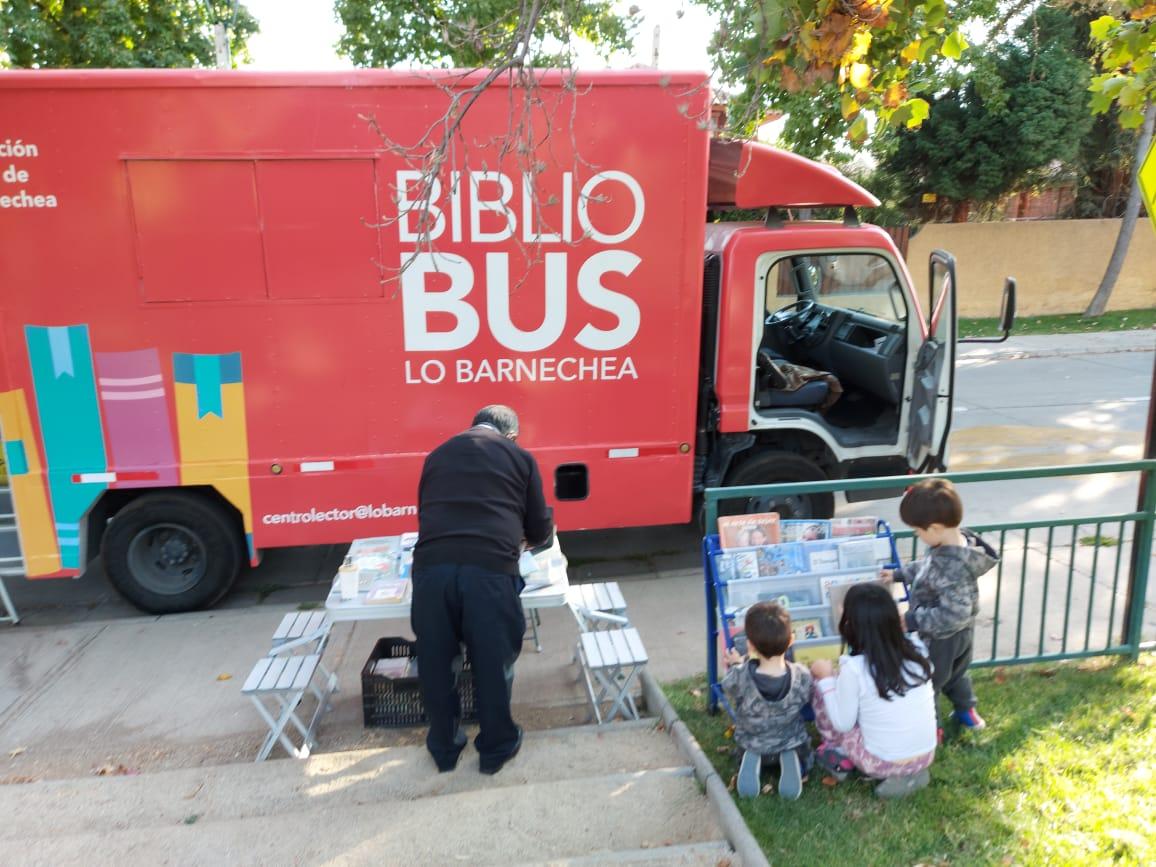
[1065,773]
[1064,323]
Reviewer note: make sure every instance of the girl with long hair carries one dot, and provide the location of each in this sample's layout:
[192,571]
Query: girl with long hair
[878,714]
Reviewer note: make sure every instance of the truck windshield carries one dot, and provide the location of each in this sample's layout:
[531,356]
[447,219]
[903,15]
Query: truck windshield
[862,282]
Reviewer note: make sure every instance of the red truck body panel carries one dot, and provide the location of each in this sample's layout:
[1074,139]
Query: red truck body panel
[203,284]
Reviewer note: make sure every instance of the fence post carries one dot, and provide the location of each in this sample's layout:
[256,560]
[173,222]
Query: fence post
[1141,560]
[710,510]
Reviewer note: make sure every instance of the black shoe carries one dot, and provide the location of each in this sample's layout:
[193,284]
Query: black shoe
[491,766]
[447,765]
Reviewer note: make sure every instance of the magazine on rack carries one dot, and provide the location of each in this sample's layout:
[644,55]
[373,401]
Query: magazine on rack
[786,559]
[858,554]
[853,526]
[748,531]
[804,531]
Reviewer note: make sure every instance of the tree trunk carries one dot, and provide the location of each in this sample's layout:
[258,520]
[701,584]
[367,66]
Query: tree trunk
[1128,224]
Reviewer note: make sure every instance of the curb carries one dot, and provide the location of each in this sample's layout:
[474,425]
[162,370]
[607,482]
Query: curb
[733,825]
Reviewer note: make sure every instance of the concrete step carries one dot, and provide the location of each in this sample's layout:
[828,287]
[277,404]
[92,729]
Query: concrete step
[329,781]
[537,822]
[716,853]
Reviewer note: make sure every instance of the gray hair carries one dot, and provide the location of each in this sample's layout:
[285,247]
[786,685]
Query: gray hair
[501,418]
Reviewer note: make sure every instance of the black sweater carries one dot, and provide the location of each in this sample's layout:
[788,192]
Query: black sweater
[480,495]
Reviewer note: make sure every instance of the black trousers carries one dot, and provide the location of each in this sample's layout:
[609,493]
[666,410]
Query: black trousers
[951,656]
[456,604]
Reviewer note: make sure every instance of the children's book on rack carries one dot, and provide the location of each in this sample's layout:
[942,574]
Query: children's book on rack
[748,531]
[808,573]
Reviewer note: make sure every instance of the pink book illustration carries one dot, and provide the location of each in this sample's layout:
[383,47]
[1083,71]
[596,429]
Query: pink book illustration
[133,398]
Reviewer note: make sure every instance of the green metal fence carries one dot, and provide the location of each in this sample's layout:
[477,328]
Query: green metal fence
[1065,588]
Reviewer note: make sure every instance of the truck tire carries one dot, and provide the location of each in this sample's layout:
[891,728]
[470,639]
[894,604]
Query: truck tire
[765,468]
[172,551]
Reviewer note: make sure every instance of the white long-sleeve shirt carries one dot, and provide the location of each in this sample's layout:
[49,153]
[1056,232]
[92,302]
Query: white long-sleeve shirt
[896,729]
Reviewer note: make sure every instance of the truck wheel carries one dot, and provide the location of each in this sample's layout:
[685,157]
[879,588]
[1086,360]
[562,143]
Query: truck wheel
[766,468]
[172,552]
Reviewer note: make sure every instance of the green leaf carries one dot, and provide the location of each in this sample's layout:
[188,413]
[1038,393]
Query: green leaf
[1131,118]
[1130,95]
[920,111]
[858,130]
[1100,103]
[1113,85]
[935,11]
[1103,26]
[954,46]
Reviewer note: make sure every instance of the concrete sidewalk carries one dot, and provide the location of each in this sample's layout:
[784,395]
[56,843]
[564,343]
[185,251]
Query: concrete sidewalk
[1052,345]
[152,693]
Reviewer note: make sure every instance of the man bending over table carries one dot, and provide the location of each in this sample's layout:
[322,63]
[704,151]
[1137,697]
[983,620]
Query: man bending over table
[479,497]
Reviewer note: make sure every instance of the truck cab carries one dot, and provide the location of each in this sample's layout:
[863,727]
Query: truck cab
[819,361]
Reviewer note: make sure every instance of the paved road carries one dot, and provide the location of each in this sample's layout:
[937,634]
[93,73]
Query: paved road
[1028,407]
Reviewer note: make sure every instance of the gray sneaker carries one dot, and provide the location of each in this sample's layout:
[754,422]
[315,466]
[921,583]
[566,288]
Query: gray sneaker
[901,787]
[790,776]
[750,768]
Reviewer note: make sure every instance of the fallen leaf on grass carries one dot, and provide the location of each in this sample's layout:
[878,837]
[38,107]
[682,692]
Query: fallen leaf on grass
[768,788]
[1000,676]
[1046,672]
[732,782]
[723,749]
[828,780]
[697,693]
[224,677]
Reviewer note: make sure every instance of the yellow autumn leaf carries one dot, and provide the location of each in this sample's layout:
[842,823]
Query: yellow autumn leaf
[894,94]
[849,106]
[860,44]
[911,52]
[778,57]
[859,75]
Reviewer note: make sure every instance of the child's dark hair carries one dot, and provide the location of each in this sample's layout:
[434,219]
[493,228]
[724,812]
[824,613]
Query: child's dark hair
[932,501]
[871,627]
[768,628]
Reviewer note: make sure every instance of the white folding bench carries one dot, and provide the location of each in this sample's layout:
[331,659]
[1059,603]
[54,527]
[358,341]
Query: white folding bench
[9,614]
[276,685]
[609,650]
[612,658]
[303,628]
[600,596]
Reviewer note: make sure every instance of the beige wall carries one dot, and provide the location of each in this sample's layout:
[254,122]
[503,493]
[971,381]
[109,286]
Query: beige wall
[1057,264]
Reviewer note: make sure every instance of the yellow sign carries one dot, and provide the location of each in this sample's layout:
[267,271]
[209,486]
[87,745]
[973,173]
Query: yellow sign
[1148,182]
[928,198]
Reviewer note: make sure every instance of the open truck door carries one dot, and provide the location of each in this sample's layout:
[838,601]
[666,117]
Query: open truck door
[934,372]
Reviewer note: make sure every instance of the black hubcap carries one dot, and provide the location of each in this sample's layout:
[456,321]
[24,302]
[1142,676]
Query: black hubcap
[167,558]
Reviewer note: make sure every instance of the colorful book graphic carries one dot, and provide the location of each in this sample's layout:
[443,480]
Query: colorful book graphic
[136,417]
[70,425]
[29,494]
[214,444]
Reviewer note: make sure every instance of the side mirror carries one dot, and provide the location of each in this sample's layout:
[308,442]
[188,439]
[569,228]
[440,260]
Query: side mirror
[1007,315]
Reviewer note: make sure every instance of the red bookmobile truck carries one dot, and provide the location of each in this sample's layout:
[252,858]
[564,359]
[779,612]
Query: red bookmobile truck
[222,328]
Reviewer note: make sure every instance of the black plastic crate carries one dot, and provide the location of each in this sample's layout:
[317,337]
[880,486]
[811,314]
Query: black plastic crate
[395,702]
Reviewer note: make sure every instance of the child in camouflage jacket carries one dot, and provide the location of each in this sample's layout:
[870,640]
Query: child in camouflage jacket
[767,694]
[943,589]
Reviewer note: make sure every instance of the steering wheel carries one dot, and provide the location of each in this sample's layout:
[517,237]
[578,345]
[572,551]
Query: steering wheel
[793,318]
